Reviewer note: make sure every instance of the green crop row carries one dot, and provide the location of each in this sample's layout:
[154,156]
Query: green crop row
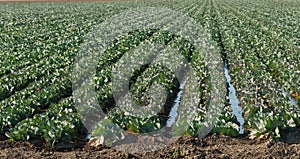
[38,50]
[59,122]
[259,91]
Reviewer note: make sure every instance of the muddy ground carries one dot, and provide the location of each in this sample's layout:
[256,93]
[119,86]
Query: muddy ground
[213,146]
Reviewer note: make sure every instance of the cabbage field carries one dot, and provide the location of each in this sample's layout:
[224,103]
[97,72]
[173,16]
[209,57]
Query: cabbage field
[259,42]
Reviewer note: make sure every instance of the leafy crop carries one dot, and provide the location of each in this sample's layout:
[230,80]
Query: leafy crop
[260,41]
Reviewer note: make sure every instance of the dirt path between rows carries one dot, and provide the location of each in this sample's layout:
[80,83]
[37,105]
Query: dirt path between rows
[213,146]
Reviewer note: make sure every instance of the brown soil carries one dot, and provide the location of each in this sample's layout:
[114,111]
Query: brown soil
[213,146]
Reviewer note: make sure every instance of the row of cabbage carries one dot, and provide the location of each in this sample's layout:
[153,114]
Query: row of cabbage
[35,98]
[141,83]
[252,55]
[227,123]
[259,88]
[46,44]
[35,94]
[283,41]
[37,55]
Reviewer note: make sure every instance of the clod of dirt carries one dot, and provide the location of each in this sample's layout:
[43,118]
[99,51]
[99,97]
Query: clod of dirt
[214,146]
